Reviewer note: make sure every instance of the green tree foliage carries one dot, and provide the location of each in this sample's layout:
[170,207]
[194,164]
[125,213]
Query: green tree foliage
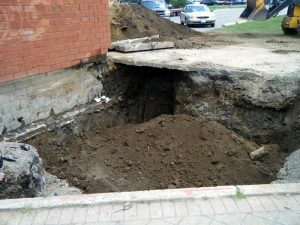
[178,3]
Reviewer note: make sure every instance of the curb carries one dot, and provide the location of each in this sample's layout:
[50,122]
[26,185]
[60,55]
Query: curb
[152,195]
[235,23]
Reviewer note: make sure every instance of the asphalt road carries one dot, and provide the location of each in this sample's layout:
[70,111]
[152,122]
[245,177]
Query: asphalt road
[222,16]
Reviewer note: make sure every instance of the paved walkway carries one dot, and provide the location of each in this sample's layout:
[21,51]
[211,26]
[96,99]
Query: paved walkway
[227,209]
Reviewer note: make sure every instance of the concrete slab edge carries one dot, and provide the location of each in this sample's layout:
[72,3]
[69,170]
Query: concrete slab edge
[131,41]
[185,68]
[235,23]
[151,195]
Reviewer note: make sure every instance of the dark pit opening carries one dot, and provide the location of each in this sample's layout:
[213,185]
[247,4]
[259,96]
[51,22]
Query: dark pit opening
[143,93]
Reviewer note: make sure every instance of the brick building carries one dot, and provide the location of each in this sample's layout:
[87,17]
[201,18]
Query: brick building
[39,36]
[39,41]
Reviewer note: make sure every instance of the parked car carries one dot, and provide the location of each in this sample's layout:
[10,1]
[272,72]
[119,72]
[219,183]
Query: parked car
[223,2]
[195,1]
[209,2]
[158,6]
[197,14]
[238,2]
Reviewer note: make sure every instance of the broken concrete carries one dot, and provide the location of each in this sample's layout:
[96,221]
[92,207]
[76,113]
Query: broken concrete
[290,172]
[258,153]
[261,61]
[137,47]
[133,41]
[24,173]
[56,187]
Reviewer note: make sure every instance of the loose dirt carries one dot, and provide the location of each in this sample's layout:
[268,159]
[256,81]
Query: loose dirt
[99,153]
[135,21]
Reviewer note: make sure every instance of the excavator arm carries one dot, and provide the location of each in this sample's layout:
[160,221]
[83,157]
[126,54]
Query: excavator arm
[264,9]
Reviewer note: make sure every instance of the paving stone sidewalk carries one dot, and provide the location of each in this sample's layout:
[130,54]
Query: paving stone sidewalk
[254,210]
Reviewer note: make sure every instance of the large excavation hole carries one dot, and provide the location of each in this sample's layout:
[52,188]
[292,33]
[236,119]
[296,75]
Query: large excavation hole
[142,93]
[140,143]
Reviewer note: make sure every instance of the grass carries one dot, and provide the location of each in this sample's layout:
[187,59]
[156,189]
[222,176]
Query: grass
[239,194]
[26,209]
[213,7]
[271,26]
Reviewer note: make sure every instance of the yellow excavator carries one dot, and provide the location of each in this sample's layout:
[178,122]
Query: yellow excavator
[265,9]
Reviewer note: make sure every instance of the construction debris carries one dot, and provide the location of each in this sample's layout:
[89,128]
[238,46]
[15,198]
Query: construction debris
[133,41]
[137,47]
[22,175]
[102,99]
[290,172]
[258,153]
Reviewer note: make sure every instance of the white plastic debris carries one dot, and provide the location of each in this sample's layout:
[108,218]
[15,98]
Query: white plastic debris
[97,99]
[105,99]
[102,99]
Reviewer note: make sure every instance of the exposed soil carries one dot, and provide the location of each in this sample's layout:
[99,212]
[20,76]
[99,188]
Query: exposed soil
[99,153]
[135,21]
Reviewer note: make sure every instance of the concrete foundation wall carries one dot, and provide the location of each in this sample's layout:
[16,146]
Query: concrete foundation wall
[33,98]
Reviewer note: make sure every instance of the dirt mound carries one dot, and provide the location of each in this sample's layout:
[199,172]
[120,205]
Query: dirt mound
[166,152]
[134,21]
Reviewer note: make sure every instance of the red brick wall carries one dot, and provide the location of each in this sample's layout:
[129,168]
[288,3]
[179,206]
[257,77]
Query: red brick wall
[38,36]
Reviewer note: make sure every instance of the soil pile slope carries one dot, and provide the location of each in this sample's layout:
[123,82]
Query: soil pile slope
[134,21]
[165,152]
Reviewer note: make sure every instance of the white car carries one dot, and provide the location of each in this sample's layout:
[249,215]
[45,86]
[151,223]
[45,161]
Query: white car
[158,6]
[197,14]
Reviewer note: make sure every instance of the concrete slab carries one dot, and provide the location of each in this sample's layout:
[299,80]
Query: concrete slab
[132,41]
[137,47]
[263,62]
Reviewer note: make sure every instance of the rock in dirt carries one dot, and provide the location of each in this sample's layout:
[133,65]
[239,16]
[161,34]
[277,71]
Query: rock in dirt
[258,153]
[290,172]
[55,187]
[23,171]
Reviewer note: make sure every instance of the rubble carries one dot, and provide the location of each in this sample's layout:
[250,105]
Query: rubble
[23,174]
[133,41]
[258,153]
[102,99]
[290,172]
[137,47]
